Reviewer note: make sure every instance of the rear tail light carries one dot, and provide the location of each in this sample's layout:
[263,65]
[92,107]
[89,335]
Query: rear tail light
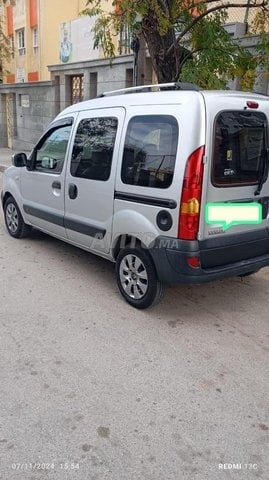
[191,196]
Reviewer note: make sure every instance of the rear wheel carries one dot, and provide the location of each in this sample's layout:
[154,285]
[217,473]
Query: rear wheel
[137,279]
[15,224]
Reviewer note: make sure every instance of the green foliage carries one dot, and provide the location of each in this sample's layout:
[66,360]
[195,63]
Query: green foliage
[185,38]
[215,58]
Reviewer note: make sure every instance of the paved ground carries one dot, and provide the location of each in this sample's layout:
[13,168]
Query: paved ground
[92,389]
[5,157]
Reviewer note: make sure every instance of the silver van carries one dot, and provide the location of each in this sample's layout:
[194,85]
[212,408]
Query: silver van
[128,176]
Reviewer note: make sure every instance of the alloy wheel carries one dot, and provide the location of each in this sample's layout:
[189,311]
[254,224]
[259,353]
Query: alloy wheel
[12,218]
[133,276]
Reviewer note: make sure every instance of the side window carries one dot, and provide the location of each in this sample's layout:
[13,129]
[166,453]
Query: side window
[50,154]
[150,151]
[93,148]
[239,148]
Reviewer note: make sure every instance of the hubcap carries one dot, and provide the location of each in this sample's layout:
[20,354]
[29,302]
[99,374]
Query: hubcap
[133,277]
[12,217]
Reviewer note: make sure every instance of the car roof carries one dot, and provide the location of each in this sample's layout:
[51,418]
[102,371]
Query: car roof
[157,98]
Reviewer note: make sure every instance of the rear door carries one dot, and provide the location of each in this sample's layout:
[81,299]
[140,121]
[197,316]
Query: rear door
[157,141]
[236,158]
[144,183]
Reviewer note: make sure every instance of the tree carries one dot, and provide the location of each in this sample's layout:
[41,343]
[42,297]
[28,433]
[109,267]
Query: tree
[185,38]
[4,48]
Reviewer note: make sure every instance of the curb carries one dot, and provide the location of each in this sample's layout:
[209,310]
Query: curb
[3,167]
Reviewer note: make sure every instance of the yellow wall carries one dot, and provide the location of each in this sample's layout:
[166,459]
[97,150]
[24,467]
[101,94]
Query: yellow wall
[19,21]
[52,14]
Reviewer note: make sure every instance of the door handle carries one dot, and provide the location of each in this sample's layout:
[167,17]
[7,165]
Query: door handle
[72,191]
[56,185]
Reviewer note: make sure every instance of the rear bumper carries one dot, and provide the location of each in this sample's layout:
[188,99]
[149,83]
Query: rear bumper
[232,255]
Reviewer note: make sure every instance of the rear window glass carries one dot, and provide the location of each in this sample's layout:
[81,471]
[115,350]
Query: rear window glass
[150,151]
[239,146]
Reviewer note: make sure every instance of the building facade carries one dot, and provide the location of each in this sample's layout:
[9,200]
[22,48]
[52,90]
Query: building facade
[32,27]
[54,64]
[42,33]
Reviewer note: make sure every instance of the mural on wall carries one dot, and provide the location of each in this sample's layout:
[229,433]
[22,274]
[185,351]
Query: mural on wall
[76,40]
[65,42]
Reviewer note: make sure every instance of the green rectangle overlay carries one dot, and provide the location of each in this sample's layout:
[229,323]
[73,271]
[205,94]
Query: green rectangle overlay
[229,214]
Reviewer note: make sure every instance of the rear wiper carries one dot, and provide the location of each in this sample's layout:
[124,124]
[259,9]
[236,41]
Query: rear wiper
[264,171]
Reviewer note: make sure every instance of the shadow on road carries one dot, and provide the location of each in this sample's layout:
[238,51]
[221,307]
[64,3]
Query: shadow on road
[197,303]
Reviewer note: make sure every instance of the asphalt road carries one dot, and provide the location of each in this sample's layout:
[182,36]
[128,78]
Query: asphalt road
[91,389]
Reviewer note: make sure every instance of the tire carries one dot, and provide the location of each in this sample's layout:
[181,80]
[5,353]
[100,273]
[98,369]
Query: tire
[137,279]
[13,219]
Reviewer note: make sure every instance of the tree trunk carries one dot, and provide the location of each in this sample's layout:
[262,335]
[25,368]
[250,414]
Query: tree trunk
[166,61]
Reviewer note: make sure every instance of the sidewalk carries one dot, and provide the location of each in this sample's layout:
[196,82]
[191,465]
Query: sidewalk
[5,157]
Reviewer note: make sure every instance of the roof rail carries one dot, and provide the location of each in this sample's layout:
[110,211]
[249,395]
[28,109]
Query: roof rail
[153,88]
[259,93]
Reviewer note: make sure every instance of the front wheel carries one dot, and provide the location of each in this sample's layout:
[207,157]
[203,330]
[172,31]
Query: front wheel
[14,221]
[137,279]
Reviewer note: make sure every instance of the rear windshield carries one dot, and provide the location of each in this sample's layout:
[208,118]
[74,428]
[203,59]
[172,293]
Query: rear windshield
[239,146]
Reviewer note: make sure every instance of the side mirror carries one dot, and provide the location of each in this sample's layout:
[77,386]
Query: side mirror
[19,159]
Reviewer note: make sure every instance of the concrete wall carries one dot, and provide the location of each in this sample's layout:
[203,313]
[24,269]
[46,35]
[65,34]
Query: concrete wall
[33,110]
[36,104]
[104,74]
